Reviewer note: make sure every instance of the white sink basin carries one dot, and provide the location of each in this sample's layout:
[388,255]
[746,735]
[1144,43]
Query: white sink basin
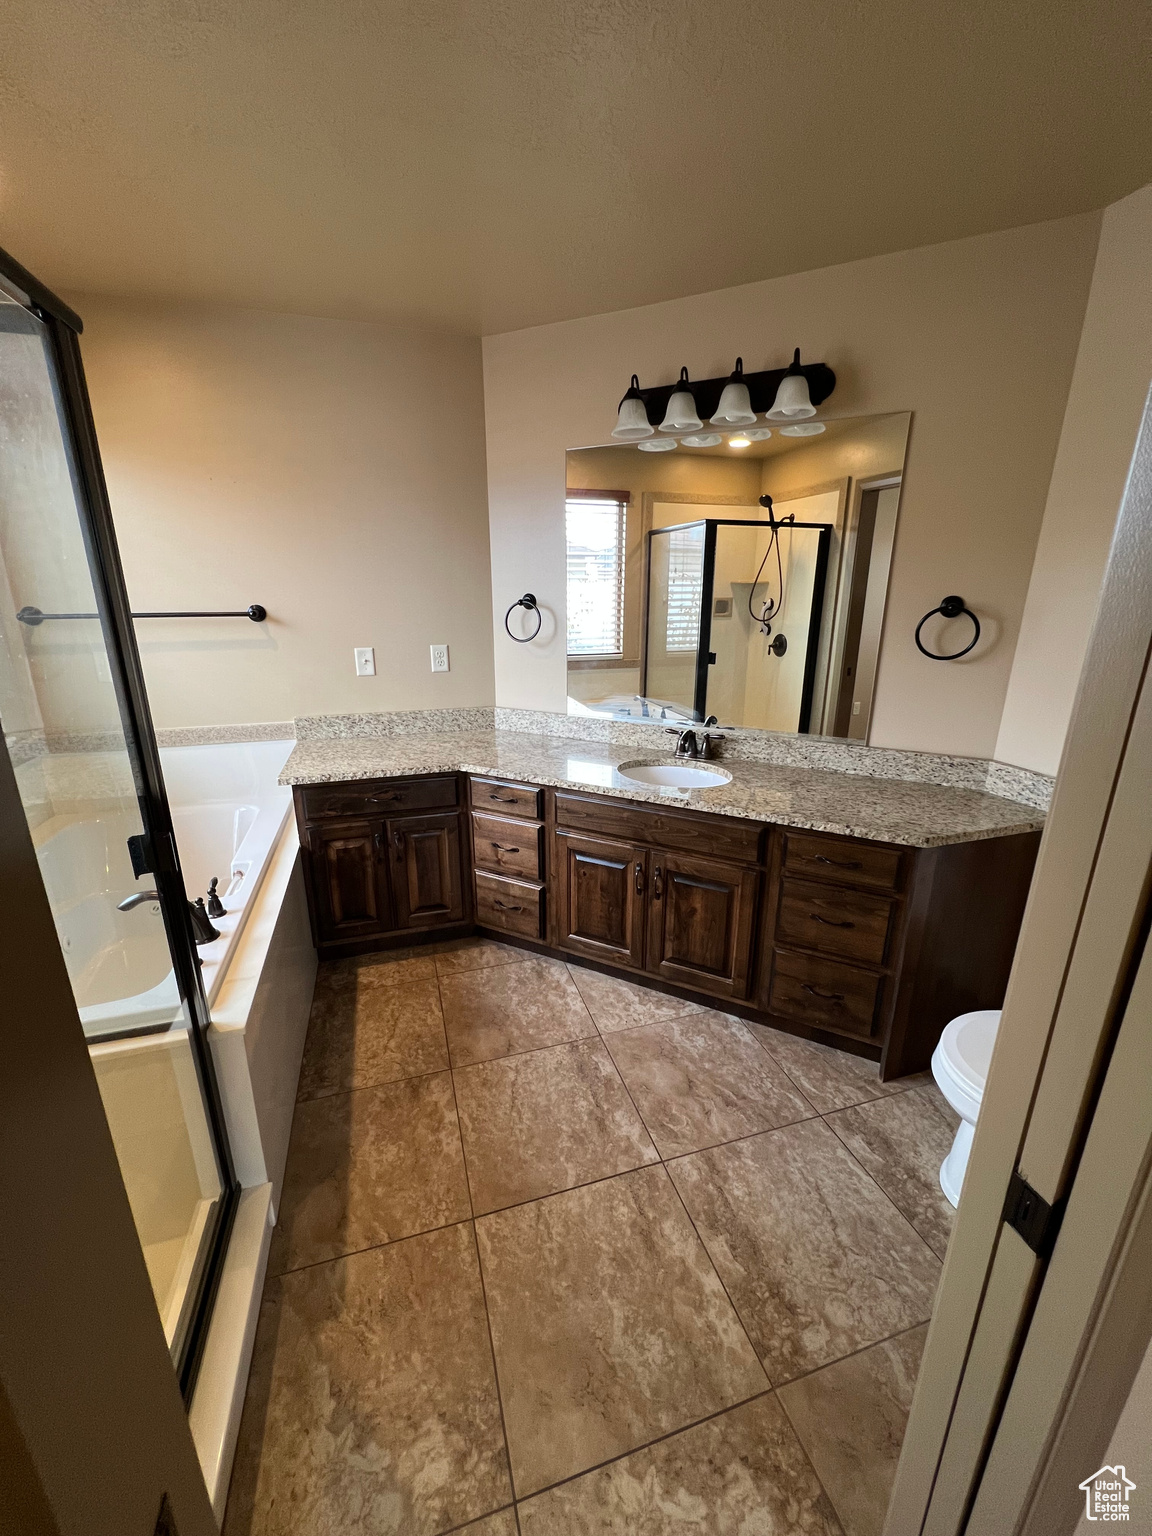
[674,775]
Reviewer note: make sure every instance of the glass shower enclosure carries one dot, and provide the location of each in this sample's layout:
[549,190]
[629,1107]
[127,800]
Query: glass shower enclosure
[707,648]
[79,734]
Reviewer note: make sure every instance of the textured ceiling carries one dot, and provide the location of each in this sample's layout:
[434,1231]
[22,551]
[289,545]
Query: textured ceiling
[489,164]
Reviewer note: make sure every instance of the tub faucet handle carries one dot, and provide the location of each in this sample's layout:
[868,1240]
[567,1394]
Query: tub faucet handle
[216,907]
[202,929]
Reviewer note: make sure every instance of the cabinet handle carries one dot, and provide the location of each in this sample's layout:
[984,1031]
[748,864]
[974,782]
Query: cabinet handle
[504,799]
[828,922]
[639,879]
[818,858]
[505,848]
[384,799]
[829,997]
[658,883]
[378,842]
[398,840]
[506,906]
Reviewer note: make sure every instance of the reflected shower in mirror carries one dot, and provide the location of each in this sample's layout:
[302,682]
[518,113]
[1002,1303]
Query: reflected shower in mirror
[684,602]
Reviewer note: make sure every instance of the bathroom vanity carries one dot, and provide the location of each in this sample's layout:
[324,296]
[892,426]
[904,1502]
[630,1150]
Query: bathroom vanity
[867,943]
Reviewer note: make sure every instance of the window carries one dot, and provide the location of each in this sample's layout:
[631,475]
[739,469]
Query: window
[685,588]
[595,576]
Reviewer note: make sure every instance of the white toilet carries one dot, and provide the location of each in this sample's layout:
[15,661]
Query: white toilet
[960,1066]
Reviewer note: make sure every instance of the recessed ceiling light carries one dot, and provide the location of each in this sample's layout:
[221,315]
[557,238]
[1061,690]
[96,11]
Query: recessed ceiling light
[800,429]
[740,442]
[702,440]
[658,445]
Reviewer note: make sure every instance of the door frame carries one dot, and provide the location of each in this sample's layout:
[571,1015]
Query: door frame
[1068,1034]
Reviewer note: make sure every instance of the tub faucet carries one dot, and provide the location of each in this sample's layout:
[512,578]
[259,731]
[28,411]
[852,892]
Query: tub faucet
[216,907]
[202,929]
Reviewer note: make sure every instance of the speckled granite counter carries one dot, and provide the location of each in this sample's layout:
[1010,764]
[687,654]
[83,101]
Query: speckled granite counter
[916,815]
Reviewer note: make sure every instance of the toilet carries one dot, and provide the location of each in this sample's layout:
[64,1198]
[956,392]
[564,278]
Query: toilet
[960,1066]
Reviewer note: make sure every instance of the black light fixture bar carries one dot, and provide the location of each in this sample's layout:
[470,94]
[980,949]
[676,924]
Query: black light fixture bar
[762,389]
[257,613]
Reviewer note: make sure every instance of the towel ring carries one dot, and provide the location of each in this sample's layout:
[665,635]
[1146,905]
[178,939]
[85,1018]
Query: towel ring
[950,608]
[527,601]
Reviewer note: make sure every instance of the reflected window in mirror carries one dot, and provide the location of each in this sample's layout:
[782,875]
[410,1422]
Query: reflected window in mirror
[674,583]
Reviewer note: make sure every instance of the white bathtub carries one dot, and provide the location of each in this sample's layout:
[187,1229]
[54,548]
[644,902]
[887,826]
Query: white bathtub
[228,813]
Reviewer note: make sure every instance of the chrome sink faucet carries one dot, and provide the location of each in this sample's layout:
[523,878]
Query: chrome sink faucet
[691,746]
[686,743]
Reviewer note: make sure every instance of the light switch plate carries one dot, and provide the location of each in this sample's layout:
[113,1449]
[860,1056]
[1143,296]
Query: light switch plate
[439,658]
[365,660]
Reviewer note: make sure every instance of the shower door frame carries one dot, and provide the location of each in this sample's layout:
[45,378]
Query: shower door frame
[94,512]
[707,579]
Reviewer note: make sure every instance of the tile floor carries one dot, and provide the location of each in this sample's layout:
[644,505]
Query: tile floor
[559,1255]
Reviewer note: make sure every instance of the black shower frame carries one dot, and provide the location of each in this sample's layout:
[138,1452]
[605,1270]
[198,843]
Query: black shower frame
[708,574]
[63,327]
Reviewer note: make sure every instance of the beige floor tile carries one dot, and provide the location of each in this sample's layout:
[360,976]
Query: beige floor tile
[828,1078]
[740,1474]
[369,1167]
[503,1523]
[497,1010]
[703,1079]
[618,1004]
[851,1418]
[544,1121]
[475,954]
[388,968]
[901,1141]
[815,1257]
[362,1035]
[372,1407]
[609,1325]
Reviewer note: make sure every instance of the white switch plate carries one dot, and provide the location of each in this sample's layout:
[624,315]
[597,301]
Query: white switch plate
[439,658]
[365,660]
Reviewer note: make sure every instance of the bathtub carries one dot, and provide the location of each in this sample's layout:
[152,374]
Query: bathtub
[228,813]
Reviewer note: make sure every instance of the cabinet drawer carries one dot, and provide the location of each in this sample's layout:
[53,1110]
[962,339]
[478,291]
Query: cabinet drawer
[507,847]
[825,993]
[513,905]
[834,858]
[378,797]
[506,799]
[839,922]
[683,831]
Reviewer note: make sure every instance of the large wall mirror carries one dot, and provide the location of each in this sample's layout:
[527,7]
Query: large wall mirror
[683,603]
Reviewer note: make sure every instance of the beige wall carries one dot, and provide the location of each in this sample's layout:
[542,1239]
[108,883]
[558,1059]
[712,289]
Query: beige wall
[1109,388]
[976,337]
[877,447]
[331,470]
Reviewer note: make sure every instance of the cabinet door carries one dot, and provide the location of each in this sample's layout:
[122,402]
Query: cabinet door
[601,889]
[349,884]
[427,873]
[700,923]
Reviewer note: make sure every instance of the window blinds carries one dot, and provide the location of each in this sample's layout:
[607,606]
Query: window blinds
[595,577]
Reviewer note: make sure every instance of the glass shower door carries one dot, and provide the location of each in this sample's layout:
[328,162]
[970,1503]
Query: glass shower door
[77,730]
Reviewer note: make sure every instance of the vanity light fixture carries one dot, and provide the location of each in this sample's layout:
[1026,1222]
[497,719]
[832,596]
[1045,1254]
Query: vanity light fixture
[741,440]
[702,440]
[657,445]
[793,399]
[785,394]
[681,415]
[802,429]
[735,409]
[632,419]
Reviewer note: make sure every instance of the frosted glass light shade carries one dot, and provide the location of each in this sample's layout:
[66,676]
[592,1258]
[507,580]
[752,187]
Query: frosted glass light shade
[658,445]
[735,408]
[802,429]
[759,434]
[792,399]
[702,440]
[632,421]
[681,413]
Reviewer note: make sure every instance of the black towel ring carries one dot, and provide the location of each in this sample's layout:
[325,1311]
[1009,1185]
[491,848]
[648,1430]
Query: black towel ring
[950,608]
[527,601]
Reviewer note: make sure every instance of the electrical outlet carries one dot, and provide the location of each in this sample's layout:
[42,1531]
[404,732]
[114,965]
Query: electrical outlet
[365,660]
[439,658]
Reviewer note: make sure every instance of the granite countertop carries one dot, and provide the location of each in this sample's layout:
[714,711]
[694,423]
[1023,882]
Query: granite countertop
[888,810]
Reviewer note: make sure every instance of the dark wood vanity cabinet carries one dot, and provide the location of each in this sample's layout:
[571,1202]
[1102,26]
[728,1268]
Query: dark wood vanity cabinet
[375,877]
[852,942]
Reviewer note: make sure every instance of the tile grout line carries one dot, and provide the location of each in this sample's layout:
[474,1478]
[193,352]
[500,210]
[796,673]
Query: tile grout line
[902,1214]
[479,1262]
[851,1355]
[783,1406]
